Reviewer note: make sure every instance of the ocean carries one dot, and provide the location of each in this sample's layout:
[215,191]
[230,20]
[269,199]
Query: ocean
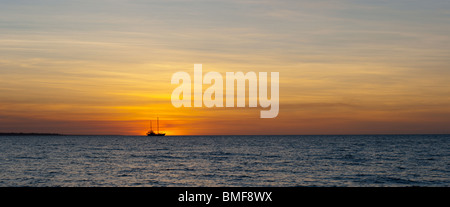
[225,161]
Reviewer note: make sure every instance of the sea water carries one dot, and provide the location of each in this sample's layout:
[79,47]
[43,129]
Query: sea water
[190,161]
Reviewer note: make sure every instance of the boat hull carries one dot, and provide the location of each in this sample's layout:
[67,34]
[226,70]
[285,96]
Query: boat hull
[156,135]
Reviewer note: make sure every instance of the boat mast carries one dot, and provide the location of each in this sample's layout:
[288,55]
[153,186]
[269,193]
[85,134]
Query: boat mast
[151,128]
[157,123]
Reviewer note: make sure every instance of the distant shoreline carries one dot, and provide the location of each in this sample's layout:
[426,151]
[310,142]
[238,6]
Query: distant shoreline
[30,134]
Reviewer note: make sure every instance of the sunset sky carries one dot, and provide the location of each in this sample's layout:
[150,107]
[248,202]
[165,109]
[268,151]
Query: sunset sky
[105,66]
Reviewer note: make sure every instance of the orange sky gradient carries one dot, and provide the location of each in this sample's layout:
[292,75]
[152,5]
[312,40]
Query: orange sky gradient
[105,68]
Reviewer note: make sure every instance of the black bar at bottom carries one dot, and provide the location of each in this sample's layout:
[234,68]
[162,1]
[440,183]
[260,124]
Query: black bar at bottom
[224,196]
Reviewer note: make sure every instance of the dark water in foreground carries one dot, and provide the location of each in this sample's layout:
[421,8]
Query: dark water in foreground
[378,160]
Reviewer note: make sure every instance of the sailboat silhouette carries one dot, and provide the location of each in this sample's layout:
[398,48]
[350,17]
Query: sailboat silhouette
[151,132]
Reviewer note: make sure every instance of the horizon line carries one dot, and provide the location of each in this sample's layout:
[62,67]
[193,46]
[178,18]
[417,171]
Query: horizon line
[59,134]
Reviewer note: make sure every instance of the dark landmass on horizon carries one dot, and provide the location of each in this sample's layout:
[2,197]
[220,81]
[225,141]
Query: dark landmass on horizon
[29,134]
